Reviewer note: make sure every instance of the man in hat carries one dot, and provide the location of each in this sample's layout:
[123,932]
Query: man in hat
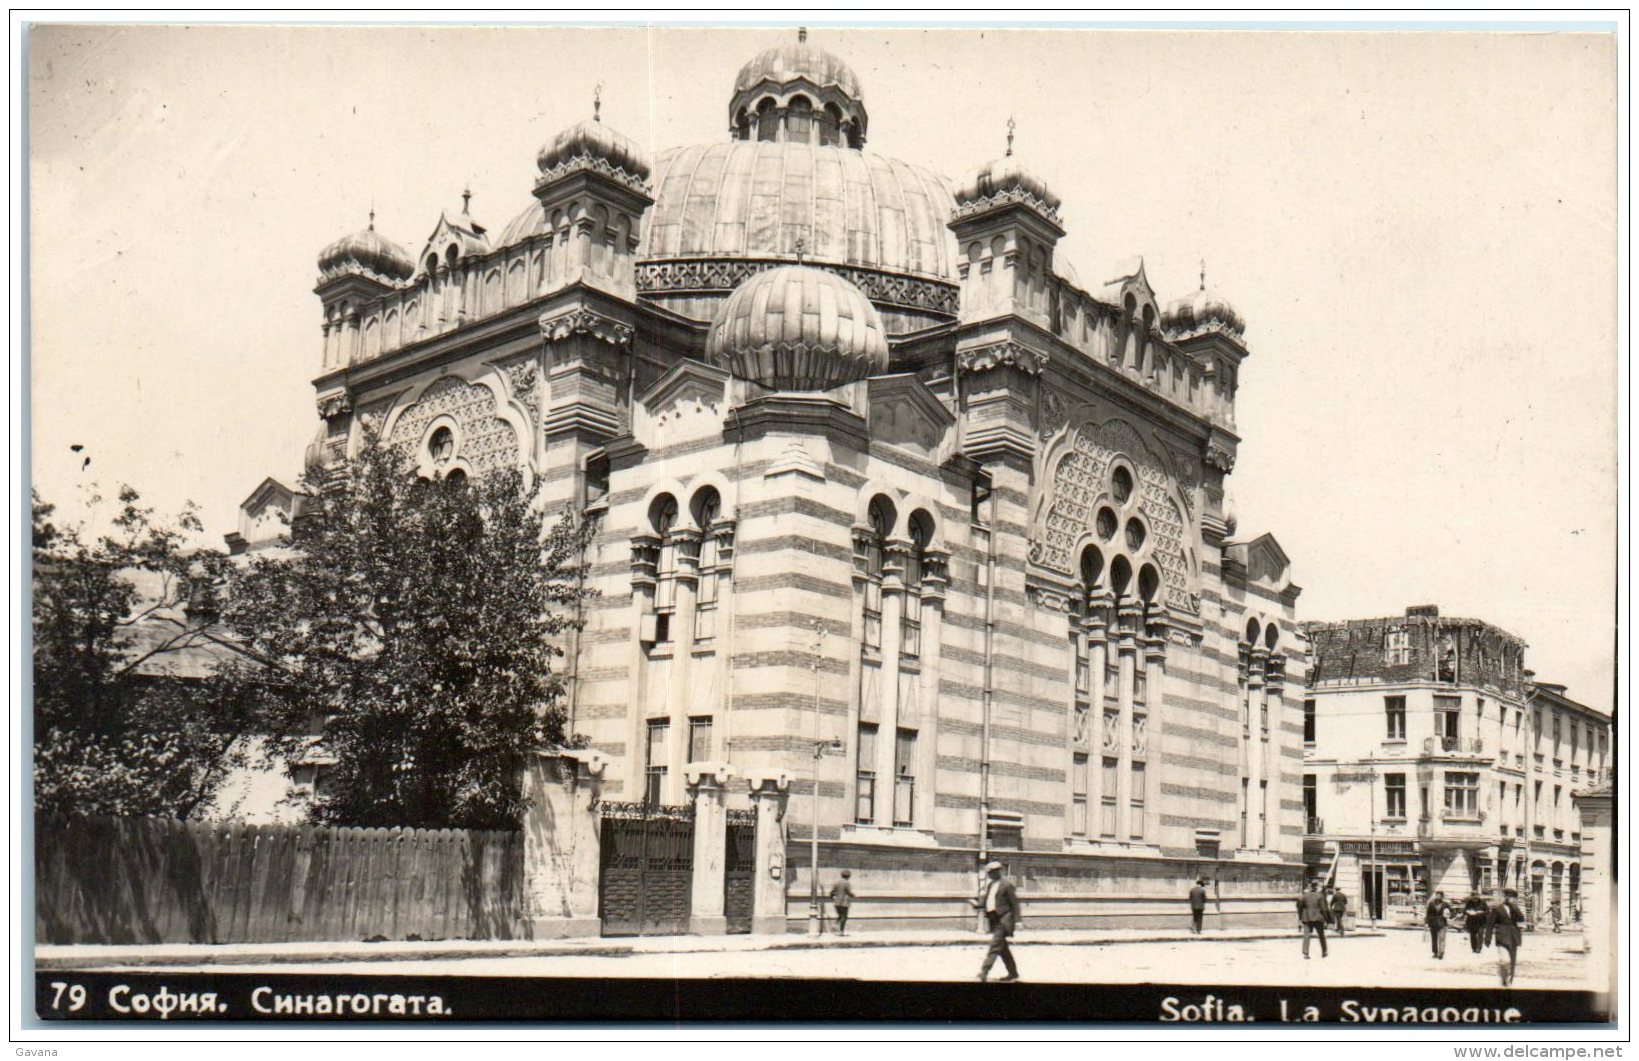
[1000,903]
[1312,914]
[1437,917]
[1197,905]
[1474,914]
[842,897]
[1505,926]
[1340,907]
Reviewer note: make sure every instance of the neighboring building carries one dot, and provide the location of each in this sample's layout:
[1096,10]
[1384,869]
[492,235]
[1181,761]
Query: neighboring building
[1434,761]
[265,517]
[1600,912]
[874,470]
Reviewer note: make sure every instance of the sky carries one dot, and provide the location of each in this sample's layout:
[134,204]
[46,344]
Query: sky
[1419,228]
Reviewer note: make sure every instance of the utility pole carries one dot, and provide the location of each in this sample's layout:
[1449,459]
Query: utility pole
[1371,870]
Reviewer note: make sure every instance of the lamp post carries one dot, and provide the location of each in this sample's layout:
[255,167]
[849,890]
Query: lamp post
[1373,891]
[813,828]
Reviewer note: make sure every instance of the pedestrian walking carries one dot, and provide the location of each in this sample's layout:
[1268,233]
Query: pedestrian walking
[842,897]
[1554,916]
[1340,908]
[1000,903]
[1504,926]
[1474,913]
[1312,914]
[1438,918]
[1197,905]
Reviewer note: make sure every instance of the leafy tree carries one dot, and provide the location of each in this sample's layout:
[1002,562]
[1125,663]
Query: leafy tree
[141,707]
[417,623]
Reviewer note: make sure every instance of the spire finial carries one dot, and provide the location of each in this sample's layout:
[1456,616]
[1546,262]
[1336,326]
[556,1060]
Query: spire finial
[802,34]
[597,102]
[372,215]
[1203,274]
[1010,134]
[466,197]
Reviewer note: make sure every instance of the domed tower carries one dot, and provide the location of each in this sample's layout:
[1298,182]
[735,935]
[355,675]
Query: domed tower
[1007,225]
[1208,328]
[797,328]
[797,93]
[593,190]
[353,270]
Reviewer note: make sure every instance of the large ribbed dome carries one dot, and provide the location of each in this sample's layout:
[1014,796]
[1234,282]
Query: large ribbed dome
[370,251]
[798,328]
[746,199]
[785,63]
[593,139]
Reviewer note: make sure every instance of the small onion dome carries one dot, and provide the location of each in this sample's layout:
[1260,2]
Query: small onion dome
[798,328]
[593,139]
[1005,174]
[1201,312]
[368,250]
[785,63]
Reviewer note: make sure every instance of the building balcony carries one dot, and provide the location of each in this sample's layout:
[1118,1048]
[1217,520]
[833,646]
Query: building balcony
[1453,746]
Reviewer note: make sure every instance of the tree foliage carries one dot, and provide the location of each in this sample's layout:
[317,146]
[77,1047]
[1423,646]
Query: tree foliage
[417,623]
[115,616]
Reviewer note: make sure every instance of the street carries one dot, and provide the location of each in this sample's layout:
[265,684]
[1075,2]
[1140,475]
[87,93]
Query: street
[1398,958]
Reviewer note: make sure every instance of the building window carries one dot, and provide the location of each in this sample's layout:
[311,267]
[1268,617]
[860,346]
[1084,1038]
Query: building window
[441,447]
[1137,804]
[1246,812]
[904,777]
[1263,814]
[1206,846]
[708,506]
[1462,794]
[700,739]
[1309,722]
[1394,710]
[1110,778]
[1311,820]
[654,769]
[1079,771]
[1394,796]
[1397,647]
[798,117]
[665,590]
[1448,721]
[910,625]
[880,520]
[865,775]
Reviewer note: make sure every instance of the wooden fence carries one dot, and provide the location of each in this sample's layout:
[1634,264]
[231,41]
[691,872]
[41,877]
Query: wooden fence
[152,880]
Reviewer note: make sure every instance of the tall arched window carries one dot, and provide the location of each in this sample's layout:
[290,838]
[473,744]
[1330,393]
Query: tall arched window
[664,516]
[830,125]
[742,125]
[799,116]
[708,506]
[768,120]
[910,641]
[881,519]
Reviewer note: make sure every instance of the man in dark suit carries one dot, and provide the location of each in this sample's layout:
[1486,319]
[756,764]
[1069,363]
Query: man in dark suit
[842,897]
[1438,918]
[1197,905]
[1340,906]
[1474,915]
[1505,926]
[1000,903]
[1312,914]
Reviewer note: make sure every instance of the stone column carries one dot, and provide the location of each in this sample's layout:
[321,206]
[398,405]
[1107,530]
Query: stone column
[769,791]
[1096,627]
[707,782]
[562,842]
[935,583]
[1127,619]
[681,695]
[893,611]
[1256,707]
[1155,698]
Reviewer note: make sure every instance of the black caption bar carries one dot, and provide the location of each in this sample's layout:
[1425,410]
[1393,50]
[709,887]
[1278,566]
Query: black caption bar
[270,997]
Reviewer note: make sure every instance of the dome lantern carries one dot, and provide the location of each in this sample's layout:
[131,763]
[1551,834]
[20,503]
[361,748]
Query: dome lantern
[798,328]
[367,253]
[592,145]
[798,93]
[1004,182]
[1202,313]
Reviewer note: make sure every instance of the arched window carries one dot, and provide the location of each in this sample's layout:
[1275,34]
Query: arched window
[910,639]
[880,517]
[707,507]
[742,125]
[456,477]
[1149,583]
[441,446]
[768,120]
[1121,573]
[664,518]
[799,116]
[830,125]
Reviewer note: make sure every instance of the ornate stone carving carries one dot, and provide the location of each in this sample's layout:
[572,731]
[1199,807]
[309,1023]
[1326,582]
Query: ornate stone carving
[1083,724]
[524,381]
[1007,197]
[996,355]
[1220,457]
[1112,732]
[593,164]
[335,405]
[487,441]
[645,559]
[1055,412]
[723,276]
[1140,733]
[556,329]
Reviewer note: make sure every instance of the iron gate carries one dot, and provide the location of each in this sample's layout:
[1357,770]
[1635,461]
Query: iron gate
[739,869]
[647,869]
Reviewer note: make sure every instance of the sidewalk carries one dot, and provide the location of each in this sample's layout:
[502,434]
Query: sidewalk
[88,956]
